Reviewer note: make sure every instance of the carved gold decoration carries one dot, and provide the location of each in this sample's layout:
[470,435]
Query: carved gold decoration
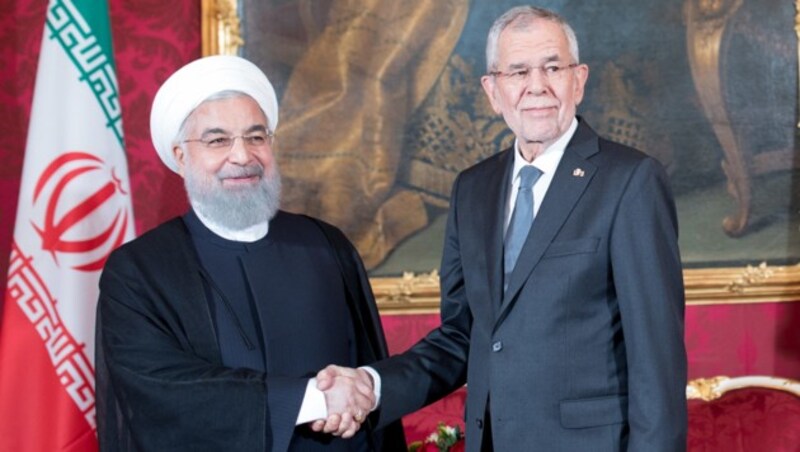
[411,293]
[708,389]
[705,388]
[751,276]
[759,284]
[420,293]
[220,27]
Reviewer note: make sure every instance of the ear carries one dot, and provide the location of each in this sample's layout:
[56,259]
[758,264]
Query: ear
[180,157]
[490,88]
[581,76]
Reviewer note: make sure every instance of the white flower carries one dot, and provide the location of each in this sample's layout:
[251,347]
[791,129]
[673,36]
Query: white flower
[450,431]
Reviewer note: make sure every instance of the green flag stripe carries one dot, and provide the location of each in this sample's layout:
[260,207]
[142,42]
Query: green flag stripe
[95,13]
[86,39]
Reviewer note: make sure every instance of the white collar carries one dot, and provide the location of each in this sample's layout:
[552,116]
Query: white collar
[249,234]
[548,160]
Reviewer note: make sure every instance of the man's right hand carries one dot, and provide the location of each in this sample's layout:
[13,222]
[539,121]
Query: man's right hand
[349,396]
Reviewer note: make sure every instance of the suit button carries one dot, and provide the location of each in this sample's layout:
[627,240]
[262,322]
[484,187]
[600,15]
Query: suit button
[479,422]
[497,346]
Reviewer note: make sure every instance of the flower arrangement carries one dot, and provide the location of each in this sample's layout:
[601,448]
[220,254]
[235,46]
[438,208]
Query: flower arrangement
[444,439]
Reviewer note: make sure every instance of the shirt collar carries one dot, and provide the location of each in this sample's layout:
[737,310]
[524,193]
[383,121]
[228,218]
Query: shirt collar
[548,160]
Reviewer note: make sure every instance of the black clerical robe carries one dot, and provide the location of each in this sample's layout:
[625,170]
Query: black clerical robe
[162,383]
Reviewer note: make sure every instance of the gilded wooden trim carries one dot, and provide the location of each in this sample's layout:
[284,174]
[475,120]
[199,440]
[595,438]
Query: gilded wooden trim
[220,27]
[704,286]
[708,389]
[419,293]
[751,284]
[408,294]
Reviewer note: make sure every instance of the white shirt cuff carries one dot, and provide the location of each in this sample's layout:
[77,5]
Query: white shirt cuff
[314,406]
[376,385]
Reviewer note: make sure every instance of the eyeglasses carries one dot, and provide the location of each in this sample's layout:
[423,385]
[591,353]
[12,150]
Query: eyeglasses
[225,142]
[551,72]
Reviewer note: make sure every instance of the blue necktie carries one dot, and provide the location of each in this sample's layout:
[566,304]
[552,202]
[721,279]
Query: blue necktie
[521,220]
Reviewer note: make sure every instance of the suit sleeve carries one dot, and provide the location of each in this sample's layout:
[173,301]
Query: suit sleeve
[387,436]
[647,277]
[157,392]
[437,364]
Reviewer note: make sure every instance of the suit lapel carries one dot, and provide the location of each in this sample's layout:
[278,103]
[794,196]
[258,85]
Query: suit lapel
[572,176]
[497,186]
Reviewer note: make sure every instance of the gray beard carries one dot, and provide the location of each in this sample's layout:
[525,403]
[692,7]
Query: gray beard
[238,208]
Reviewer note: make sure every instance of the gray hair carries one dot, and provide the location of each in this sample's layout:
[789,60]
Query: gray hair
[521,17]
[227,94]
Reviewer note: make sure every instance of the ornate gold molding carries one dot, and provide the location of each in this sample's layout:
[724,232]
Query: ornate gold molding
[408,294]
[759,284]
[220,27]
[704,286]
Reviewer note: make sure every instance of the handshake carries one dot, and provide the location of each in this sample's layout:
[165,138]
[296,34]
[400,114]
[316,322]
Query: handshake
[350,398]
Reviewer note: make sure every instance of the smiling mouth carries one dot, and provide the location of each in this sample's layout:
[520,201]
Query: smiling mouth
[236,181]
[539,110]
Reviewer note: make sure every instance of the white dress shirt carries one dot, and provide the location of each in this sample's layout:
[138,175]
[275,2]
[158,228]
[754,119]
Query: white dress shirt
[546,162]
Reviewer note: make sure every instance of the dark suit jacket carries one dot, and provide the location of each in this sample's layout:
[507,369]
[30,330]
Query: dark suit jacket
[161,384]
[585,351]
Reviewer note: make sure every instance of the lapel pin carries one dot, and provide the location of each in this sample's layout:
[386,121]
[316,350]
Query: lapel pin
[577,172]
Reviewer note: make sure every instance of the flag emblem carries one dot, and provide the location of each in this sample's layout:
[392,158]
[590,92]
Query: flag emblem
[98,212]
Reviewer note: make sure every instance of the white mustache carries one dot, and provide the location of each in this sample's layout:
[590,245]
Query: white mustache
[232,172]
[536,107]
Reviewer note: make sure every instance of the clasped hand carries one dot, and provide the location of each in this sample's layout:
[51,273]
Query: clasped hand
[349,397]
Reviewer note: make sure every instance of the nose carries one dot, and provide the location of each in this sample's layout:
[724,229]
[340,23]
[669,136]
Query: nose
[536,82]
[239,153]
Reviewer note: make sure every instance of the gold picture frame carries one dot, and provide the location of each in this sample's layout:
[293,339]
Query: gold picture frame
[419,293]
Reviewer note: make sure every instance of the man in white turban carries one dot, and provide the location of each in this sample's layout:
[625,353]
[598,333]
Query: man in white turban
[210,326]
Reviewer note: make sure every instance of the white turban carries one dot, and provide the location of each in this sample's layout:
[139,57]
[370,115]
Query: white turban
[192,84]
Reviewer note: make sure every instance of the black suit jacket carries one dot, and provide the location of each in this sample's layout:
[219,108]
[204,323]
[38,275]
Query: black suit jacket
[161,384]
[585,351]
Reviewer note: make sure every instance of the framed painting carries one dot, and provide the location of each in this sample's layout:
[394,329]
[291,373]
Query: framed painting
[381,107]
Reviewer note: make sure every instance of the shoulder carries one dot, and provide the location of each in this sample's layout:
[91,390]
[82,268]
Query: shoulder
[621,153]
[629,160]
[163,235]
[489,166]
[588,144]
[293,226]
[615,160]
[158,246]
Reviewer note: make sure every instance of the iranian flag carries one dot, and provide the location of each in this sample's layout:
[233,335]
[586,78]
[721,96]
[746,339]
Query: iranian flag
[74,209]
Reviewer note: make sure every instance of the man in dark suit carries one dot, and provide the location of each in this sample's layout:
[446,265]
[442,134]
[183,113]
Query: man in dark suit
[562,296]
[211,326]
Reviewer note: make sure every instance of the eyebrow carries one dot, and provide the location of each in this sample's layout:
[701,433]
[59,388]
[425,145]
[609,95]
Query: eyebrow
[221,131]
[545,60]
